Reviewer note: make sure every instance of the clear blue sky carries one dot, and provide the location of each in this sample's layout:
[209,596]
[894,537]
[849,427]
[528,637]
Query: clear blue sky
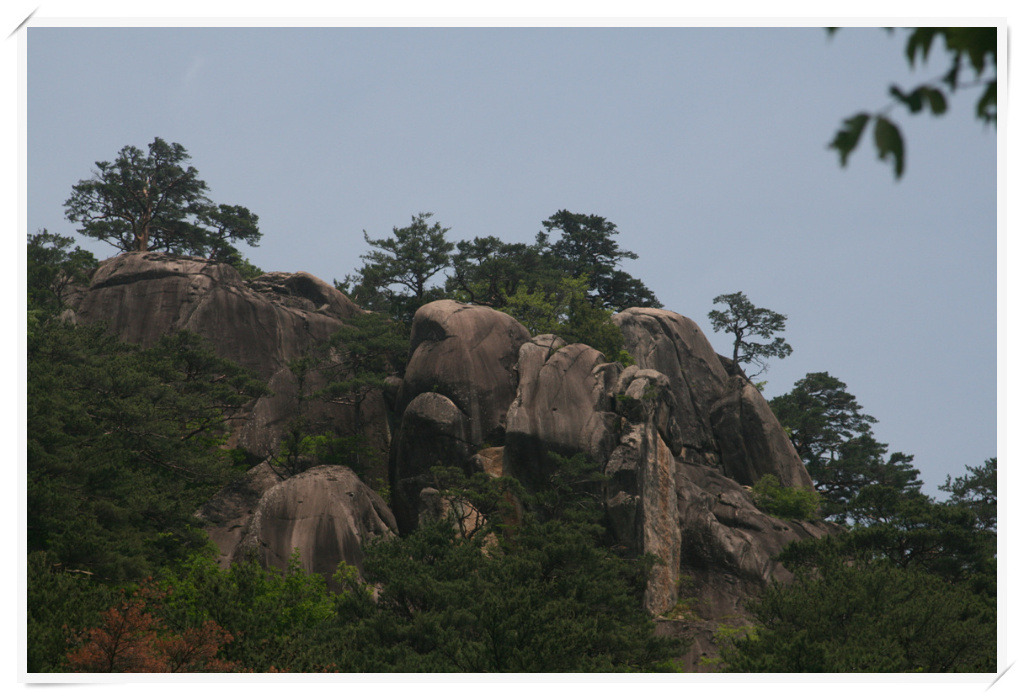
[707,147]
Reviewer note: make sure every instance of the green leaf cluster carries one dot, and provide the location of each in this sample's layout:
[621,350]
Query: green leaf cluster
[397,273]
[54,269]
[852,615]
[975,44]
[834,438]
[566,311]
[575,275]
[60,601]
[910,587]
[976,490]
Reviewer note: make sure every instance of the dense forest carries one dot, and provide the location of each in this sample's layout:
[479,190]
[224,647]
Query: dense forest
[125,443]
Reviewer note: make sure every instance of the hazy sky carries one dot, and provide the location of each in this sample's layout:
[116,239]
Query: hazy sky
[707,148]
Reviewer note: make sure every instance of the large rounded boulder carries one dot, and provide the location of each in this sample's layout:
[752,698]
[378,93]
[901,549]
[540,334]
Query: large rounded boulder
[466,353]
[433,432]
[751,441]
[326,513]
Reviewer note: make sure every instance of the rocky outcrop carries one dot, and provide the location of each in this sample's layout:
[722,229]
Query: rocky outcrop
[454,396]
[674,346]
[563,404]
[467,354]
[326,513]
[719,417]
[728,544]
[680,436]
[641,489]
[261,324]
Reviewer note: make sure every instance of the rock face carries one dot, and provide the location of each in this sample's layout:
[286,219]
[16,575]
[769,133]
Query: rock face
[563,404]
[433,432]
[719,417]
[673,345]
[455,394]
[326,513]
[465,353]
[751,440]
[262,325]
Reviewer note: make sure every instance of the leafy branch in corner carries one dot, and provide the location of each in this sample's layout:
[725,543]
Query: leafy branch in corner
[976,45]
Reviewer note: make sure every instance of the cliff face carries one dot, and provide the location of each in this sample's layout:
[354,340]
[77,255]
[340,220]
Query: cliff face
[680,437]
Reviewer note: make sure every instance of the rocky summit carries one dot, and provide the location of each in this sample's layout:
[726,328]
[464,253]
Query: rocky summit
[680,435]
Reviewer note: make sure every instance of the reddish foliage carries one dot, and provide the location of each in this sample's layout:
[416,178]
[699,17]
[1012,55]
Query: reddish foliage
[133,640]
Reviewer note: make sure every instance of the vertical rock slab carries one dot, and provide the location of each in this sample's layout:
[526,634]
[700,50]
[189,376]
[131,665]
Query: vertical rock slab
[728,545]
[642,504]
[751,441]
[433,432]
[467,354]
[563,404]
[675,346]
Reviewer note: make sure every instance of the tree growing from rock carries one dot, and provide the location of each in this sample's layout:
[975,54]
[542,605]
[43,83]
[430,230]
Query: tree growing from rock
[156,201]
[744,321]
[564,310]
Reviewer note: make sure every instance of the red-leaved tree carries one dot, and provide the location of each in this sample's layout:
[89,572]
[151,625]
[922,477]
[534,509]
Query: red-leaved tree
[131,639]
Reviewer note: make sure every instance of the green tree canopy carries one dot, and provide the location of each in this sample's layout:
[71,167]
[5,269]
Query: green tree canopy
[833,437]
[585,247]
[857,615]
[488,271]
[820,416]
[976,490]
[53,268]
[156,201]
[397,272]
[744,321]
[909,587]
[564,310]
[123,445]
